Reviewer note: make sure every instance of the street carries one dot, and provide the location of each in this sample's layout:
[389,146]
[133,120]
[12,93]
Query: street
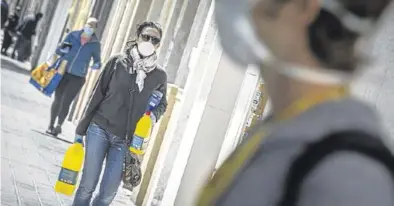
[30,160]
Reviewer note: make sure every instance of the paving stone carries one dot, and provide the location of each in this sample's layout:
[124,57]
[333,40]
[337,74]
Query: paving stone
[29,202]
[4,149]
[9,199]
[22,175]
[40,176]
[47,194]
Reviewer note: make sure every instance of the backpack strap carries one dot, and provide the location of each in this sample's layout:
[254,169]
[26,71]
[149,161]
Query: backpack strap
[304,164]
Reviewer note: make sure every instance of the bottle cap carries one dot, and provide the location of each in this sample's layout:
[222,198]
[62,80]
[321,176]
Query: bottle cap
[78,140]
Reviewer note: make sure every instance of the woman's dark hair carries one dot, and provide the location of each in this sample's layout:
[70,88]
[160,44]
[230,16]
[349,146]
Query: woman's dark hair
[332,42]
[143,25]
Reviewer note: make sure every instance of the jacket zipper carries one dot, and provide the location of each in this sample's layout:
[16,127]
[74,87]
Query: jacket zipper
[75,57]
[129,113]
[72,64]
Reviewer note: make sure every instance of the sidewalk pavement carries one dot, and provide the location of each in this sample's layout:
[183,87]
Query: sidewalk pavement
[20,67]
[30,161]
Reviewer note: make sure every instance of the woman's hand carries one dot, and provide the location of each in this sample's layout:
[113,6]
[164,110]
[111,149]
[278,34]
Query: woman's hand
[64,50]
[78,138]
[95,66]
[153,117]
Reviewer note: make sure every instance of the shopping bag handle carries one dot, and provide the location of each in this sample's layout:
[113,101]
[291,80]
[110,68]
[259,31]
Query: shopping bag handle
[55,65]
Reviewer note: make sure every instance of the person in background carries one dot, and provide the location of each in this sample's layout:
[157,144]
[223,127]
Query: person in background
[10,30]
[78,49]
[118,101]
[320,146]
[4,12]
[25,32]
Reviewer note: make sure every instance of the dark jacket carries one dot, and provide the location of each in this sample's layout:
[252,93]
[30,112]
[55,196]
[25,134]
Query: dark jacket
[116,103]
[12,23]
[4,12]
[28,27]
[343,178]
[80,55]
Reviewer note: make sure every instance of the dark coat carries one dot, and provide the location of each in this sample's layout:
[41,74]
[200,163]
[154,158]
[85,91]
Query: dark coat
[116,104]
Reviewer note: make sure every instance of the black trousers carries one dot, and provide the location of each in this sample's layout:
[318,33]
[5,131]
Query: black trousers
[23,47]
[67,90]
[7,41]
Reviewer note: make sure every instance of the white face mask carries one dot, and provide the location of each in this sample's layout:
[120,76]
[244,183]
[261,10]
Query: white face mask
[145,48]
[240,42]
[88,31]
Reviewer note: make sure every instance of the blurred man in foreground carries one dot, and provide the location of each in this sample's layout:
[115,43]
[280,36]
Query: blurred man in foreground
[320,146]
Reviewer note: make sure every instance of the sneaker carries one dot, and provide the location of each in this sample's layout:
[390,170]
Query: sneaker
[49,130]
[57,130]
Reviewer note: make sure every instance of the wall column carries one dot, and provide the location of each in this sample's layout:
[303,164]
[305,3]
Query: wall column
[191,40]
[56,28]
[210,131]
[141,12]
[169,18]
[240,114]
[204,129]
[178,123]
[155,10]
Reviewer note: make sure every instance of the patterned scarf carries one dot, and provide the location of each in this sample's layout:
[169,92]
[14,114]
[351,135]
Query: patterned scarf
[133,63]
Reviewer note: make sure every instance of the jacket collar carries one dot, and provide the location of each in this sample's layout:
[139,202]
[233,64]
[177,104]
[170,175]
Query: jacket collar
[78,34]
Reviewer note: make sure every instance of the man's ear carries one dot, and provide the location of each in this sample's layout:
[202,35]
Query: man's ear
[312,9]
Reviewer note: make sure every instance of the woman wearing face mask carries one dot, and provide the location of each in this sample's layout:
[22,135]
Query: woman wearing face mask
[119,100]
[320,146]
[78,48]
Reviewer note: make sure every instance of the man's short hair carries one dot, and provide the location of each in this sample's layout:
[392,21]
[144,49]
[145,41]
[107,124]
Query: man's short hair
[92,21]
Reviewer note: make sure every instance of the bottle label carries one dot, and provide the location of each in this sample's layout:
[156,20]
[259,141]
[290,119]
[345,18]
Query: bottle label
[68,176]
[137,142]
[154,100]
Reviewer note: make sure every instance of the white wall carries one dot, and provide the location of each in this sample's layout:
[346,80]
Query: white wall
[240,113]
[191,105]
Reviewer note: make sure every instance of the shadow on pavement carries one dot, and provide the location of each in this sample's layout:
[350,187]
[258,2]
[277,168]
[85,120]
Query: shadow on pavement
[13,65]
[47,135]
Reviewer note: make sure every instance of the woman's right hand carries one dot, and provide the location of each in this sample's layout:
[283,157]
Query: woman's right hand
[78,138]
[64,50]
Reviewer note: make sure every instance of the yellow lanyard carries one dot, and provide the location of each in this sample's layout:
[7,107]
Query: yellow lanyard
[226,173]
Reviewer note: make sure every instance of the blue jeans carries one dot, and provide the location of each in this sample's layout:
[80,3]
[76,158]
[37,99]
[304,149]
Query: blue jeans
[99,145]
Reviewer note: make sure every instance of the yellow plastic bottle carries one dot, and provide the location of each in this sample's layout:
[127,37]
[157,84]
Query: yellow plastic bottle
[72,164]
[141,135]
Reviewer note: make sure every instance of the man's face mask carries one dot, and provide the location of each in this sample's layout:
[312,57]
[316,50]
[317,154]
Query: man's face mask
[88,30]
[241,43]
